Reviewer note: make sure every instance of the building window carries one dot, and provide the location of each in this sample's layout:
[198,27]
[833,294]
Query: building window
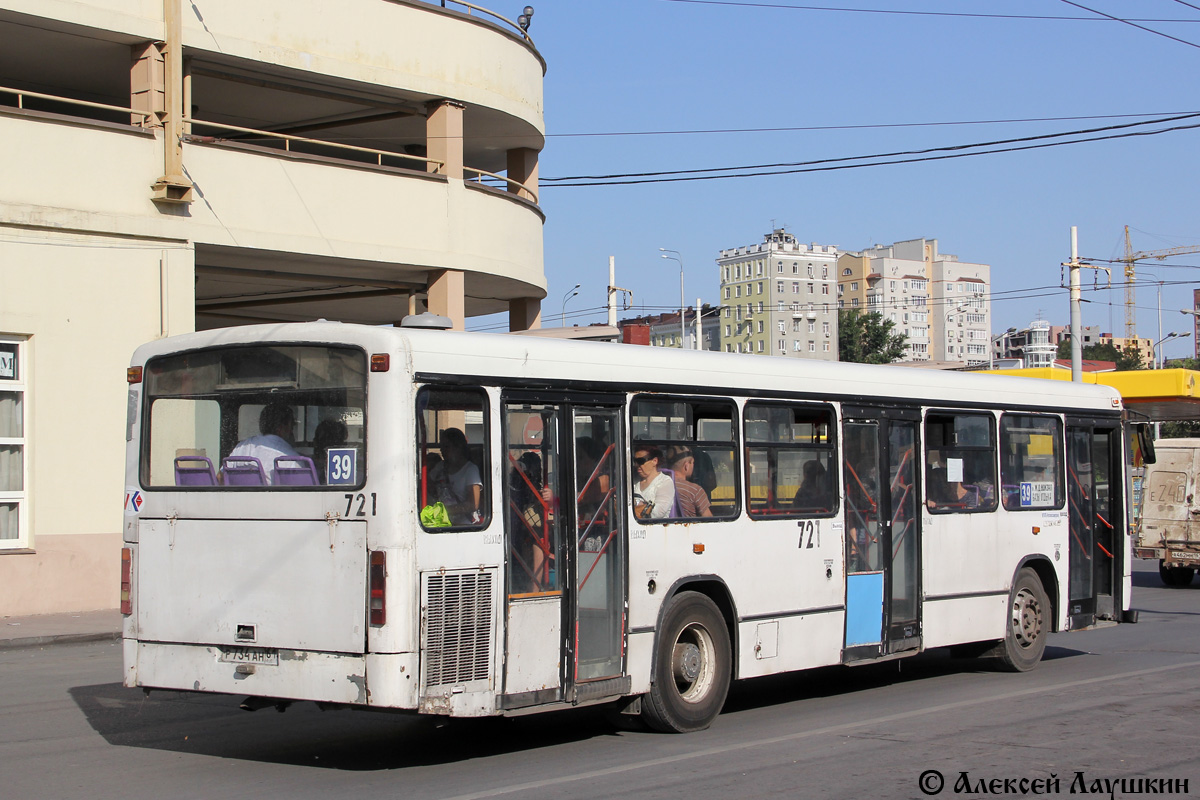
[760,326]
[795,326]
[760,287]
[795,287]
[825,328]
[812,347]
[812,326]
[795,268]
[810,288]
[810,270]
[783,345]
[779,287]
[854,286]
[760,306]
[825,346]
[854,302]
[782,326]
[737,291]
[824,288]
[726,292]
[728,330]
[14,506]
[760,345]
[824,272]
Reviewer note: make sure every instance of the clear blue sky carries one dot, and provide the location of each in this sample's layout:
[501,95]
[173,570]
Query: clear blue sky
[640,66]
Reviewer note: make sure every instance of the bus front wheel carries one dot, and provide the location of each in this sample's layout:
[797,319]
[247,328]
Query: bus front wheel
[693,665]
[1028,624]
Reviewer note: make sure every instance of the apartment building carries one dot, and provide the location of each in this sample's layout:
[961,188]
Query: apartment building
[779,298]
[942,305]
[177,166]
[874,281]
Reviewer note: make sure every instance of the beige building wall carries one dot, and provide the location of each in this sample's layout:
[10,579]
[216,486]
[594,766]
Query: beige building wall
[82,302]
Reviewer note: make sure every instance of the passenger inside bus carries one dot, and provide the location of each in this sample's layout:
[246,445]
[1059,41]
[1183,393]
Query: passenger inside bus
[813,494]
[456,481]
[276,424]
[693,500]
[532,506]
[653,490]
[329,433]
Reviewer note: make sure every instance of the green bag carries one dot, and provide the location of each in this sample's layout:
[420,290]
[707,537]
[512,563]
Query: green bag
[435,516]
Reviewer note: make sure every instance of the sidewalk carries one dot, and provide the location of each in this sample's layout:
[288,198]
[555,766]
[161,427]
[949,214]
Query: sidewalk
[43,629]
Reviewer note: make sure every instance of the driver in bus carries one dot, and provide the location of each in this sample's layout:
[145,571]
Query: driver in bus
[456,480]
[277,423]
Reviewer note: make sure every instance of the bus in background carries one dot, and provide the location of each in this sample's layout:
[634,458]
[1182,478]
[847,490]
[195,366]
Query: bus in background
[473,524]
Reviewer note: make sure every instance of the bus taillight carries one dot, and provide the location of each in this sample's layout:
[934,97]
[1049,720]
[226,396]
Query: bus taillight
[378,587]
[126,584]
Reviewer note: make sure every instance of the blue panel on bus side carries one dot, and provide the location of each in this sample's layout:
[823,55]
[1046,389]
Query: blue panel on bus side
[864,608]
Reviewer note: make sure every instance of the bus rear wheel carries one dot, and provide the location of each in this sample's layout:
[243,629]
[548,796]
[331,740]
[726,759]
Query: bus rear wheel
[1028,624]
[693,665]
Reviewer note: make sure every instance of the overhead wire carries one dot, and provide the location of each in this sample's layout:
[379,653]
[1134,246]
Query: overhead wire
[905,12]
[676,178]
[894,154]
[1132,23]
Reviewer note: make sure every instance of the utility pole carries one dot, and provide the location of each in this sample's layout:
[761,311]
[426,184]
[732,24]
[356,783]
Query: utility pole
[1076,324]
[612,292]
[1074,265]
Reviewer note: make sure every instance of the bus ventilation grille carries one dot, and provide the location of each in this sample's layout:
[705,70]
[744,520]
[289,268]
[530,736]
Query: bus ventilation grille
[458,636]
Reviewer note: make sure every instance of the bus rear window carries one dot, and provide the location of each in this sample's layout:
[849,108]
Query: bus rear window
[260,417]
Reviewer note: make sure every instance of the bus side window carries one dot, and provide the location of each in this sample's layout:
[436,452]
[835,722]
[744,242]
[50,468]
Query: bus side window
[1031,462]
[452,467]
[697,438]
[791,461]
[960,462]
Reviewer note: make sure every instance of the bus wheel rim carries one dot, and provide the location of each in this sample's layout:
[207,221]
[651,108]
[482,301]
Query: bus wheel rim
[692,662]
[1026,618]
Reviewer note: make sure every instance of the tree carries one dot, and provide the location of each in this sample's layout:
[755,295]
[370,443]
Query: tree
[1125,359]
[868,338]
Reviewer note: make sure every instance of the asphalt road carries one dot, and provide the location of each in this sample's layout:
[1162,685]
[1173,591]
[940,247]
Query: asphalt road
[1121,702]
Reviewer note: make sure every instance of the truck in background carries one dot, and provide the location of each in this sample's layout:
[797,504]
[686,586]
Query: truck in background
[1169,519]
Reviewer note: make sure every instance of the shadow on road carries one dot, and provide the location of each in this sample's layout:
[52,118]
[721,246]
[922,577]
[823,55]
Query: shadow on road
[833,681]
[213,725]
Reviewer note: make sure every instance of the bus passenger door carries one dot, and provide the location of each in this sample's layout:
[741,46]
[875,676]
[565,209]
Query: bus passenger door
[883,532]
[564,551]
[1095,526]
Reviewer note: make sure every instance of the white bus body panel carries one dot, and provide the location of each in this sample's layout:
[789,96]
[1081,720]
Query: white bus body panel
[297,584]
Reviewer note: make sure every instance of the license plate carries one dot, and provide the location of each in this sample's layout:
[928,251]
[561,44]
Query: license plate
[250,655]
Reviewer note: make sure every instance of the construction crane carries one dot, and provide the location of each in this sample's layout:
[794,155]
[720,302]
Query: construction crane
[1129,259]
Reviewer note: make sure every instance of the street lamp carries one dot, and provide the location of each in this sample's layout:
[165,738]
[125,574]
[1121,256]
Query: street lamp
[574,292]
[1158,361]
[682,327]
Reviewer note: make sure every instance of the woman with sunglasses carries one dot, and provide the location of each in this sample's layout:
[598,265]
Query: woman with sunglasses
[653,491]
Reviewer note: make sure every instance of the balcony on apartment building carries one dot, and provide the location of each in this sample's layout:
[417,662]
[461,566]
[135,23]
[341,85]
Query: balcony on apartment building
[352,153]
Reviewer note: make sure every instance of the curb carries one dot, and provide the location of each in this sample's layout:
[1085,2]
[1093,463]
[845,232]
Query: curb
[58,638]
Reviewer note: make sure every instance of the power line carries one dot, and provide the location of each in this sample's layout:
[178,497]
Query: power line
[808,128]
[944,148]
[838,167]
[793,7]
[1134,24]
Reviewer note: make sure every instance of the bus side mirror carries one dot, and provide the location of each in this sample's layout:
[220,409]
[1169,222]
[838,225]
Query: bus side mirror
[1145,442]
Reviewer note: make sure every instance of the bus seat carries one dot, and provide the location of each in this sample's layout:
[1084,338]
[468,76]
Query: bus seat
[295,471]
[243,471]
[194,471]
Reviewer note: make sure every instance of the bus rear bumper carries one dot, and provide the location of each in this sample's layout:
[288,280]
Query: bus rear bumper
[276,673]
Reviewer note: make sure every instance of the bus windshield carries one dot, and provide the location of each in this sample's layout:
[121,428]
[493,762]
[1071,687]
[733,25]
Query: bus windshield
[255,417]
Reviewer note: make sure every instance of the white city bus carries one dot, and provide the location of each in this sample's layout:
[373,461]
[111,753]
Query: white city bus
[449,527]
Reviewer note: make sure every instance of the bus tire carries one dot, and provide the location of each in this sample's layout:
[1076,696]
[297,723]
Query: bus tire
[1027,624]
[693,665]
